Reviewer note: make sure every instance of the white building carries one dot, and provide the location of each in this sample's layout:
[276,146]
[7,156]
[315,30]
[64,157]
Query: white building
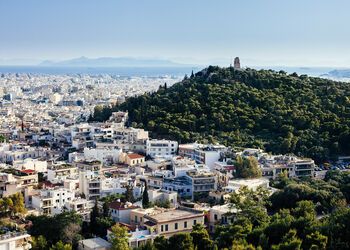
[15,241]
[203,154]
[32,164]
[221,214]
[105,155]
[60,172]
[182,165]
[90,184]
[52,201]
[8,185]
[161,148]
[273,165]
[158,195]
[81,206]
[120,212]
[253,184]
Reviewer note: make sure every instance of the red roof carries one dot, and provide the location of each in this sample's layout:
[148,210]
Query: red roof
[28,171]
[135,156]
[120,206]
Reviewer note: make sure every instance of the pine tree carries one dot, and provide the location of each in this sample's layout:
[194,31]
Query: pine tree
[119,238]
[145,199]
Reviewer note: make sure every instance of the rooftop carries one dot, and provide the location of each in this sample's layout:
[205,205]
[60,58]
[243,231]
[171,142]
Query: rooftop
[175,214]
[121,205]
[135,156]
[95,243]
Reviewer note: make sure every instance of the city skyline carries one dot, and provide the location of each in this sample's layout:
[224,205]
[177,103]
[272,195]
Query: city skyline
[261,33]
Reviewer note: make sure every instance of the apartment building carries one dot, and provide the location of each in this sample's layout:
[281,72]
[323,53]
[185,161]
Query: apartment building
[52,201]
[202,154]
[303,167]
[182,185]
[90,184]
[202,181]
[161,148]
[80,206]
[173,221]
[8,184]
[92,165]
[32,164]
[154,181]
[58,173]
[15,241]
[26,178]
[158,195]
[120,211]
[295,167]
[106,155]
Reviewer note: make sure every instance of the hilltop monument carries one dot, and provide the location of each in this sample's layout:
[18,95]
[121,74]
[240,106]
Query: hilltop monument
[237,63]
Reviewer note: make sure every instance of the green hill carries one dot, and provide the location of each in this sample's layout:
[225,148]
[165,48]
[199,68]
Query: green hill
[273,110]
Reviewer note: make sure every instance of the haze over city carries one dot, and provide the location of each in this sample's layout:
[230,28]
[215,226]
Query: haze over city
[262,33]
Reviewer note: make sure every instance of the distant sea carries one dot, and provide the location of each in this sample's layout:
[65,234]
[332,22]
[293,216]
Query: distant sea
[310,71]
[120,71]
[148,71]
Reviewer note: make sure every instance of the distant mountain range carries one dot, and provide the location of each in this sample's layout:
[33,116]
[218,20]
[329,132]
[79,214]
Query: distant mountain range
[113,62]
[340,73]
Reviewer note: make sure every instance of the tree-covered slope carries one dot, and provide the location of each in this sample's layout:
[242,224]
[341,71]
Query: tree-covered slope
[279,112]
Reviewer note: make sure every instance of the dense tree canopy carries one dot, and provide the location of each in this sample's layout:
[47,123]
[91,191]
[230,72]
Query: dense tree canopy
[247,167]
[281,113]
[13,204]
[119,238]
[64,226]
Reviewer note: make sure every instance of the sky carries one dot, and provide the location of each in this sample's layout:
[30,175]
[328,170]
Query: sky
[260,32]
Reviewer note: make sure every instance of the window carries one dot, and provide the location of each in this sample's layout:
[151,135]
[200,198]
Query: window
[166,228]
[215,217]
[176,226]
[185,224]
[161,228]
[194,222]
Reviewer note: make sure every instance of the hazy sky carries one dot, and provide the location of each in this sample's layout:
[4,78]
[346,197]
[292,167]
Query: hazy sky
[261,32]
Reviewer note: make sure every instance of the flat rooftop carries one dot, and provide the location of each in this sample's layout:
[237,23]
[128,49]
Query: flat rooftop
[176,214]
[95,243]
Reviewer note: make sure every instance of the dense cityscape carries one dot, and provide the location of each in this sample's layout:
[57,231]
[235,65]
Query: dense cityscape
[113,183]
[174,125]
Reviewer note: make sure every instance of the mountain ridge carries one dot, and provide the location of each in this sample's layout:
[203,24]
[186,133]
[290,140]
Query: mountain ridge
[113,62]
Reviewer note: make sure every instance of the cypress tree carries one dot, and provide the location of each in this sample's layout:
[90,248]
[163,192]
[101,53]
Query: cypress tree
[145,199]
[93,218]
